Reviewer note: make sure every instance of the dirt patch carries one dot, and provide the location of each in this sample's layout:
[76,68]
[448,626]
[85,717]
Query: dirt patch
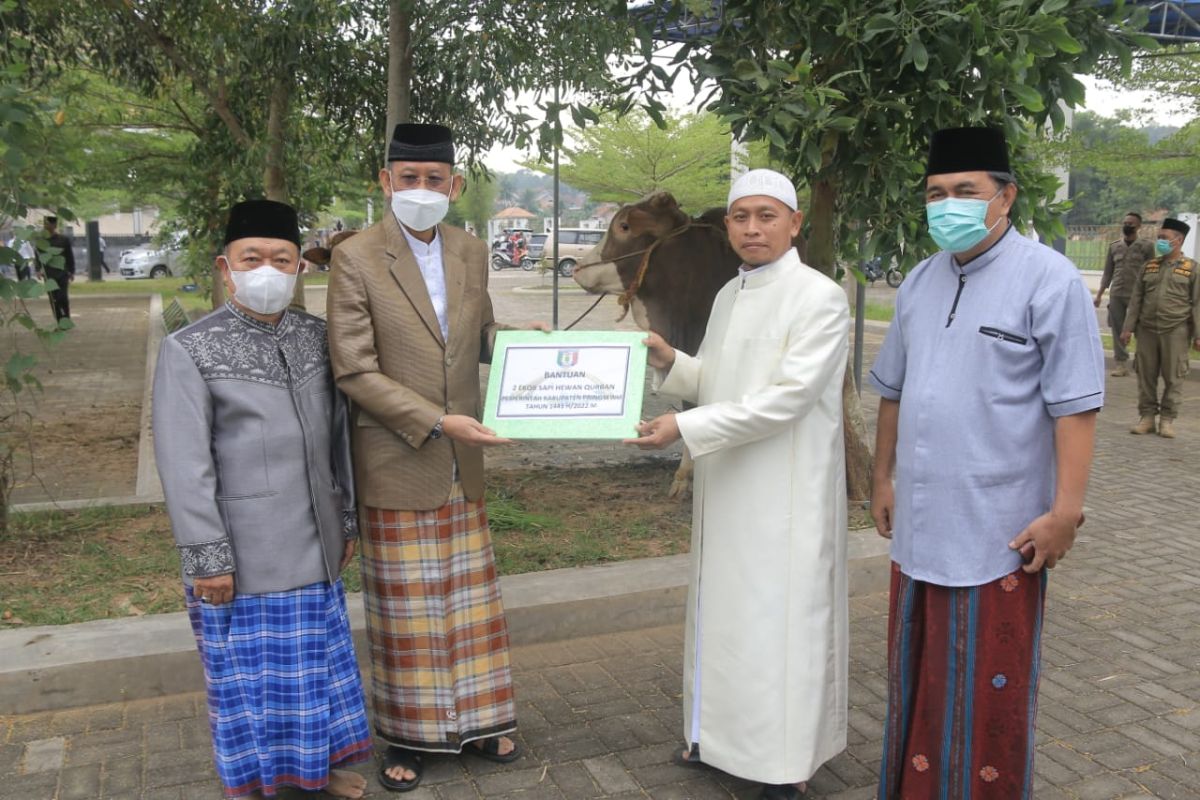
[85,453]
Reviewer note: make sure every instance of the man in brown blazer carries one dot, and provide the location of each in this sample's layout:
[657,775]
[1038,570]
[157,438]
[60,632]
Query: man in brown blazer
[410,321]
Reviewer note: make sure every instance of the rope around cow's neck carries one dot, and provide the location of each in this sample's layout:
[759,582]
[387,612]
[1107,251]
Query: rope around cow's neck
[626,297]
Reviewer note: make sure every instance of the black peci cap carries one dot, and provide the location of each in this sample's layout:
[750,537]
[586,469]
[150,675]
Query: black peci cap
[967,150]
[417,142]
[1172,224]
[265,219]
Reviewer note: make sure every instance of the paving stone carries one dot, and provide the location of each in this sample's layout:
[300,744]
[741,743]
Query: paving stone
[574,780]
[504,782]
[79,783]
[25,787]
[611,775]
[122,776]
[1105,787]
[44,755]
[463,790]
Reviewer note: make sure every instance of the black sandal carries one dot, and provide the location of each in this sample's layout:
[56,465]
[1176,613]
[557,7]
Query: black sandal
[490,749]
[783,791]
[405,759]
[692,759]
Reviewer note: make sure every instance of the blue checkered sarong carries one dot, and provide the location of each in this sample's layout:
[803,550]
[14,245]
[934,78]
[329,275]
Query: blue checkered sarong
[285,700]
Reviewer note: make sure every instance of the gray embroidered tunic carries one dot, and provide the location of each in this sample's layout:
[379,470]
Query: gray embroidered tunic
[252,443]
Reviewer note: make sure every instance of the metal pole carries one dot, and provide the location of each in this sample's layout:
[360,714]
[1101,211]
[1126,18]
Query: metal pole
[93,248]
[860,317]
[554,254]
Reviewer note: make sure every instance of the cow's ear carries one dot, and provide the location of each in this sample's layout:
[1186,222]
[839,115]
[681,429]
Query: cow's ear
[662,201]
[317,255]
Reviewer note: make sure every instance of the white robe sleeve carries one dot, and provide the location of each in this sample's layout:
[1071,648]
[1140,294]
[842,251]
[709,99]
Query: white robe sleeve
[683,379]
[817,345]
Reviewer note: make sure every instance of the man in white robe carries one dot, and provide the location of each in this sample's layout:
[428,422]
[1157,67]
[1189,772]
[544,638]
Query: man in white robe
[765,668]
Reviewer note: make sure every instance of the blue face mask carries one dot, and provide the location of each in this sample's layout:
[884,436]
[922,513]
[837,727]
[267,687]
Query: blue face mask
[1162,247]
[957,224]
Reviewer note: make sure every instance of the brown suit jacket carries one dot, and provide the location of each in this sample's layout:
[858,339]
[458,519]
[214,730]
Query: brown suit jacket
[389,358]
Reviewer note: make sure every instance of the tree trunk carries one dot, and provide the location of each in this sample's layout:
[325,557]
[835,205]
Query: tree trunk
[822,256]
[275,174]
[400,60]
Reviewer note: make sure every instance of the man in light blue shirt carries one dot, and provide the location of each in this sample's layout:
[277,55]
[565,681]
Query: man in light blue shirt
[990,377]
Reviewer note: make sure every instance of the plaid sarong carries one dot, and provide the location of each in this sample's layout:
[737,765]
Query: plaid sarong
[285,700]
[962,689]
[439,643]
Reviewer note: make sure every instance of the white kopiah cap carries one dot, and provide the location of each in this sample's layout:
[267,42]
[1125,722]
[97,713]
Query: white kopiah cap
[765,182]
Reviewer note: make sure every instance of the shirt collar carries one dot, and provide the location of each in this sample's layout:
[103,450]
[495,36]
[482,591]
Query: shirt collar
[421,249]
[761,276]
[278,328]
[998,248]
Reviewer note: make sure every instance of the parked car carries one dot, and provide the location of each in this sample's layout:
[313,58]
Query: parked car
[573,243]
[537,246]
[152,261]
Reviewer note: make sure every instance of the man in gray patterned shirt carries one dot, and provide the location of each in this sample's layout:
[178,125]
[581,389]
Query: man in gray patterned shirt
[252,443]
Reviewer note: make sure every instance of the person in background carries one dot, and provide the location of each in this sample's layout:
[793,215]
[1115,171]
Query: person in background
[59,267]
[1164,314]
[1122,265]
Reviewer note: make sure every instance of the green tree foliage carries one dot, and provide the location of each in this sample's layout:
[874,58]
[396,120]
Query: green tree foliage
[466,60]
[848,92]
[1115,168]
[478,201]
[27,125]
[626,158]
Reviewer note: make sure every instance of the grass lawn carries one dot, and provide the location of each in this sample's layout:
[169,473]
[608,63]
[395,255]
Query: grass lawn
[63,567]
[169,288]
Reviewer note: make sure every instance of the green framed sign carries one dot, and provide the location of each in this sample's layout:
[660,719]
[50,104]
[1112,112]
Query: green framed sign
[566,384]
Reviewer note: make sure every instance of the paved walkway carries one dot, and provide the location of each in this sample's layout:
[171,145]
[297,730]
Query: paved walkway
[600,717]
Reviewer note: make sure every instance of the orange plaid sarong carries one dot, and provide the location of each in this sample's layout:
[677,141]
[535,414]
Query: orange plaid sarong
[440,672]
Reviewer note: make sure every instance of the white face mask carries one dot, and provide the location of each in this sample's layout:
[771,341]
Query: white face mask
[263,289]
[420,209]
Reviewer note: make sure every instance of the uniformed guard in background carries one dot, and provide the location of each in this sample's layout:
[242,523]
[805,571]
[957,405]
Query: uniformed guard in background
[1164,313]
[1121,267]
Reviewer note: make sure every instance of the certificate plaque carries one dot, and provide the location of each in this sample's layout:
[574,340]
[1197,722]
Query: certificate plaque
[566,384]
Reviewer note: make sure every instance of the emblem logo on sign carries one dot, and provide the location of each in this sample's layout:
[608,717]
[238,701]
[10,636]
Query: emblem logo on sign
[568,358]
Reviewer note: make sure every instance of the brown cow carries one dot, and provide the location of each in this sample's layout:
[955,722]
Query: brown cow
[321,255]
[667,268]
[682,262]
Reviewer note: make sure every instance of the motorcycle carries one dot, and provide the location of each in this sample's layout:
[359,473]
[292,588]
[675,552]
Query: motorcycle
[501,259]
[873,271]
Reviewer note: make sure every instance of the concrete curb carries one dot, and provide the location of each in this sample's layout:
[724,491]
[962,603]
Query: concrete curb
[148,484]
[66,666]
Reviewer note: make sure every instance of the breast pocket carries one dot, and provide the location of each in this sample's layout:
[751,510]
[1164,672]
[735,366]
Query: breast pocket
[243,465]
[1010,355]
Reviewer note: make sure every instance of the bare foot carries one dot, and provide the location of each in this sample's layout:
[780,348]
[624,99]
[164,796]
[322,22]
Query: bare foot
[399,773]
[344,783]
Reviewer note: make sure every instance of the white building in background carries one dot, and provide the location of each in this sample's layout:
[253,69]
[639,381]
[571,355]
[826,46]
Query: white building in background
[138,222]
[511,217]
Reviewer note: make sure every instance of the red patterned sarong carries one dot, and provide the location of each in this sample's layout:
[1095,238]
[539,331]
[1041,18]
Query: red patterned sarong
[962,689]
[440,673]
